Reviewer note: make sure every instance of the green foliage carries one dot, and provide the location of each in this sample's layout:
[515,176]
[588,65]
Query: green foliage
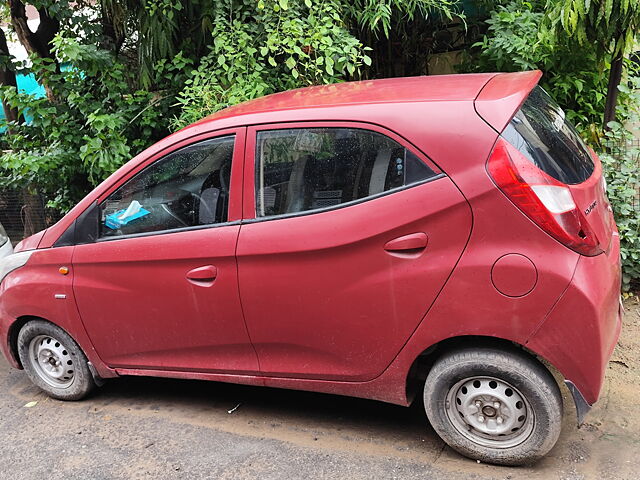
[621,163]
[269,46]
[74,144]
[607,25]
[516,40]
[608,28]
[153,31]
[375,15]
[513,41]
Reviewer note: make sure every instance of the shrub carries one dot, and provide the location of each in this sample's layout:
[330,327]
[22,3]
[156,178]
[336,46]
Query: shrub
[269,46]
[97,123]
[621,163]
[516,40]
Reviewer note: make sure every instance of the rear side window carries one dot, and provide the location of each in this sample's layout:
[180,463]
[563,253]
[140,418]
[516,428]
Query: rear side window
[305,169]
[543,135]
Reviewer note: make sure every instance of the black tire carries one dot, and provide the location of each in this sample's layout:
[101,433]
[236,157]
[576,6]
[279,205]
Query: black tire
[461,381]
[75,382]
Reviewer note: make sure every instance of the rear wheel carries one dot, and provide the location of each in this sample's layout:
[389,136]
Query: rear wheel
[493,405]
[53,361]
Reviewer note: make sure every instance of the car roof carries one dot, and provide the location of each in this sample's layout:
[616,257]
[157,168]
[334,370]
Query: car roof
[391,90]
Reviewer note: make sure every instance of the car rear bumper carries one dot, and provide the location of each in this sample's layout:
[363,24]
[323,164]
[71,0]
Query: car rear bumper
[581,331]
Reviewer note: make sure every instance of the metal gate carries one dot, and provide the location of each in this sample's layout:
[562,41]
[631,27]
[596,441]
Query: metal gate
[23,214]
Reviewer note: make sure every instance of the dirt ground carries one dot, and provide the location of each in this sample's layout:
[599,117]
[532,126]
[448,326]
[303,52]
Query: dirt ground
[138,428]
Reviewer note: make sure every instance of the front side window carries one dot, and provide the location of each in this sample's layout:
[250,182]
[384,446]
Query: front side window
[304,169]
[187,188]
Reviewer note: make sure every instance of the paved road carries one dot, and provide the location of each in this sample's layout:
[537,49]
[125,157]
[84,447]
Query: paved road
[138,428]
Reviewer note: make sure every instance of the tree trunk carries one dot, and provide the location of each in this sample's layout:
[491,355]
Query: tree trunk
[113,38]
[32,213]
[38,42]
[615,76]
[7,77]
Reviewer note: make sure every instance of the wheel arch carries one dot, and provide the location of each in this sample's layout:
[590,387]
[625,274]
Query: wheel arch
[20,322]
[12,336]
[14,331]
[421,366]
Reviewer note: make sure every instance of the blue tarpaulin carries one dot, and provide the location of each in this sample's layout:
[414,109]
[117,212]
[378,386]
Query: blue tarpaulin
[27,83]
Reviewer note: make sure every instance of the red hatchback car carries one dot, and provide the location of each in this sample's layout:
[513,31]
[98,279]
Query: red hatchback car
[446,236]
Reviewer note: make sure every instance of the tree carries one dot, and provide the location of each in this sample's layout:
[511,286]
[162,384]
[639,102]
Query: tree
[609,26]
[7,78]
[402,33]
[38,42]
[158,30]
[516,39]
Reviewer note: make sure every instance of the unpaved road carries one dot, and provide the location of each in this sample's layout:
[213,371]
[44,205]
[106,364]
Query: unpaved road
[137,428]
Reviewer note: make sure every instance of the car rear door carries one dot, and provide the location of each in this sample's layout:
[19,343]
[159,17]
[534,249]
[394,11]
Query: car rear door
[160,292]
[349,233]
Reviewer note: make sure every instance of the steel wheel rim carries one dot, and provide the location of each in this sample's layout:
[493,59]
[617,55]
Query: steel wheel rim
[52,361]
[490,412]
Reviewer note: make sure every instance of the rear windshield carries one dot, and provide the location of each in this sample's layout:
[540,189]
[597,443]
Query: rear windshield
[542,134]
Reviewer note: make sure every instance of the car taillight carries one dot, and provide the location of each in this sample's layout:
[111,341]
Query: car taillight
[545,200]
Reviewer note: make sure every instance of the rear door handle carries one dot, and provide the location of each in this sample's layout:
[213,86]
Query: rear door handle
[202,275]
[413,242]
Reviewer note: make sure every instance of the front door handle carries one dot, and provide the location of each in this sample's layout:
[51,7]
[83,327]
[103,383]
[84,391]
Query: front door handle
[413,242]
[202,275]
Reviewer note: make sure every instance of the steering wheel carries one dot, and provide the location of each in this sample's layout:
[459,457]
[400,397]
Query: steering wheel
[173,215]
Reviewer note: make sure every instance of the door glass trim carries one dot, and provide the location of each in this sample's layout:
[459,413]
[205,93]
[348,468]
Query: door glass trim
[169,231]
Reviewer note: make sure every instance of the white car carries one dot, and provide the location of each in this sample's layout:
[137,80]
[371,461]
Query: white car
[5,244]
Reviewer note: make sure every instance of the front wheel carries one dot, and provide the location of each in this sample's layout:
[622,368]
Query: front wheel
[493,405]
[53,361]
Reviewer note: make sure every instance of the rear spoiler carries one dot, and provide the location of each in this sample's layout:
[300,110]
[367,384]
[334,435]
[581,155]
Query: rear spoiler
[502,96]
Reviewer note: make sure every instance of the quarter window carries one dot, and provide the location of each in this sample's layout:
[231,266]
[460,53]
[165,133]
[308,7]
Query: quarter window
[305,169]
[187,188]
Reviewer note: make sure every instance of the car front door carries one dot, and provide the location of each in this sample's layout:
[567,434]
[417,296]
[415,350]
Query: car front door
[158,288]
[349,233]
